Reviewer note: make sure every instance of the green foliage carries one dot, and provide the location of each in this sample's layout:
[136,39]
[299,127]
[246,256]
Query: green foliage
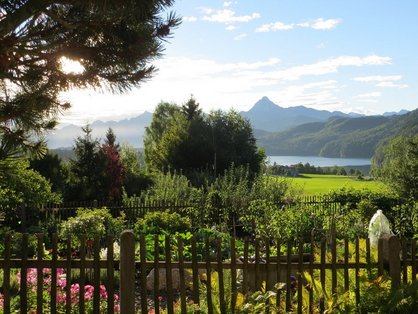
[374,290]
[358,207]
[86,170]
[183,139]
[339,136]
[218,203]
[91,223]
[22,188]
[404,219]
[403,300]
[227,195]
[52,168]
[397,165]
[351,198]
[261,219]
[16,242]
[135,179]
[171,187]
[270,220]
[162,223]
[97,172]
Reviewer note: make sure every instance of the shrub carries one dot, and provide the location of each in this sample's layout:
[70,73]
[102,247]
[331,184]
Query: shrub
[162,222]
[91,223]
[171,187]
[265,219]
[16,242]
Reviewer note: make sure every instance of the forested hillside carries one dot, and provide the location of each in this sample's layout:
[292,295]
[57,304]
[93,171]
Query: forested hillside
[339,136]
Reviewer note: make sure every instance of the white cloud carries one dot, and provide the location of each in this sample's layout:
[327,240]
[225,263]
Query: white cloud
[229,3]
[224,85]
[370,95]
[378,78]
[391,85]
[318,24]
[240,36]
[278,26]
[321,24]
[228,16]
[328,66]
[383,81]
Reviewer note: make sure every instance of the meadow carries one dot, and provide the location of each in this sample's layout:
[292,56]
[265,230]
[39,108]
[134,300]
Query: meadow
[316,184]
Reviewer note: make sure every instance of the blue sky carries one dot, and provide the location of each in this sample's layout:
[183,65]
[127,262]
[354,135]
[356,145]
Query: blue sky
[352,56]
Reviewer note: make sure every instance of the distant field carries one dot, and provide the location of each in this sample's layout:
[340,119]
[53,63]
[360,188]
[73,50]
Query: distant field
[315,184]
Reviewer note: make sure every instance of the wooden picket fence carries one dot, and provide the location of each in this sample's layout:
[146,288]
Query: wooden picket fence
[203,265]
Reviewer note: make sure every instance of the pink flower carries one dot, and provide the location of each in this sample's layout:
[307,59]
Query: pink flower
[88,292]
[61,297]
[61,282]
[75,288]
[103,292]
[89,288]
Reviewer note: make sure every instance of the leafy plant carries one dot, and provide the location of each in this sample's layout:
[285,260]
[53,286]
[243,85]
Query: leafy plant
[162,222]
[403,300]
[91,223]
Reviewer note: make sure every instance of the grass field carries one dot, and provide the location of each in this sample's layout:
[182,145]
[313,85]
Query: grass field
[316,184]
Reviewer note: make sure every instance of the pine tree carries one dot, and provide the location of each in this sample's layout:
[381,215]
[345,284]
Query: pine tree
[114,42]
[86,170]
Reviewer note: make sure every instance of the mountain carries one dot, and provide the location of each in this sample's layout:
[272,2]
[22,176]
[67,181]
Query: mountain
[338,136]
[282,131]
[268,116]
[127,130]
[393,113]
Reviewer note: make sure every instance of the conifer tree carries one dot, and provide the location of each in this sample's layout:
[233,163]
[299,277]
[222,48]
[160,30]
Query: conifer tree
[114,43]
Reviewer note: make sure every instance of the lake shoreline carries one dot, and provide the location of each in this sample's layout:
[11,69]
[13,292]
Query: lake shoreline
[318,161]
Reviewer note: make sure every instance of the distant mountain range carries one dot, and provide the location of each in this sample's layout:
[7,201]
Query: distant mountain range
[338,136]
[281,131]
[128,130]
[266,115]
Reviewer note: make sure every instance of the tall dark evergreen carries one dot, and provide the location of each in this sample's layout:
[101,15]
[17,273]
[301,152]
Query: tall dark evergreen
[115,42]
[86,169]
[191,109]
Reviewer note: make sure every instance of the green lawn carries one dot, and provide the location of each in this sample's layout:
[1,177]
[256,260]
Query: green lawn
[315,184]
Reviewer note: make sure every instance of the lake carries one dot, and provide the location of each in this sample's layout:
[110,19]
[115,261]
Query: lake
[318,161]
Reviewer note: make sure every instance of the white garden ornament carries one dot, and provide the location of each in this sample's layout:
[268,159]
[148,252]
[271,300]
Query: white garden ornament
[379,226]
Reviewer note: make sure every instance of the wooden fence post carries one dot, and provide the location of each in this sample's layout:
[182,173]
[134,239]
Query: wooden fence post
[389,250]
[127,272]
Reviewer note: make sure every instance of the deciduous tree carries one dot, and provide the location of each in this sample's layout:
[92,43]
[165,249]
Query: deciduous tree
[114,172]
[185,139]
[22,188]
[397,164]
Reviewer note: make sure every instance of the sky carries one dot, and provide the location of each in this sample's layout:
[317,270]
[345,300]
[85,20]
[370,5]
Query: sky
[352,56]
